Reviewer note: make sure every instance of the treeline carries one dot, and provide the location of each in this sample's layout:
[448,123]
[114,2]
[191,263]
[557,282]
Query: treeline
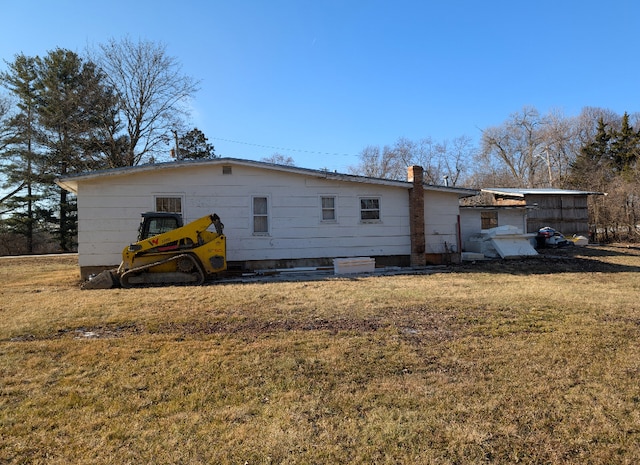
[595,151]
[122,104]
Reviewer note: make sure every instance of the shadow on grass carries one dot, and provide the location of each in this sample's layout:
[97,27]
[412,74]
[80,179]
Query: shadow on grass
[591,259]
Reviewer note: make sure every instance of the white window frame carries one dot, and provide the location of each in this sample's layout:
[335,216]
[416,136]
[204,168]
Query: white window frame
[362,210]
[334,209]
[169,197]
[255,214]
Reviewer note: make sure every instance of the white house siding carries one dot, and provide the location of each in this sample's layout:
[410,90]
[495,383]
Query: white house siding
[441,222]
[470,223]
[109,210]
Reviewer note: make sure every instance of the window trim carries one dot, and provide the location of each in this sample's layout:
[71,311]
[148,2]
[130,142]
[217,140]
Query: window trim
[334,209]
[267,216]
[379,209]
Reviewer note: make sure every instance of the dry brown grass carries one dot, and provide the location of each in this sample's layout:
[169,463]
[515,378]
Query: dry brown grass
[532,361]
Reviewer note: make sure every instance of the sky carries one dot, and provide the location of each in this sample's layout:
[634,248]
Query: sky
[320,80]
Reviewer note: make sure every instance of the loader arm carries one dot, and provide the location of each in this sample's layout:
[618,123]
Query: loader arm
[181,238]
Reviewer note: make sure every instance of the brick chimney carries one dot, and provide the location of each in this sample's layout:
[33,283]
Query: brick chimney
[416,216]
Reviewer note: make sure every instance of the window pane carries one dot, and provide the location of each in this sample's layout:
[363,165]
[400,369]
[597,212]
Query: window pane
[259,205]
[328,214]
[327,202]
[260,224]
[370,215]
[162,225]
[369,204]
[169,204]
[369,209]
[489,219]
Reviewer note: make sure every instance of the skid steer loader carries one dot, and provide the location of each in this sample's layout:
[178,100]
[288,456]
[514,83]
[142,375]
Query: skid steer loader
[168,253]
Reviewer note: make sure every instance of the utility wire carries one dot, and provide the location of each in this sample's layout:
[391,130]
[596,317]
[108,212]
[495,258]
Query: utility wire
[281,148]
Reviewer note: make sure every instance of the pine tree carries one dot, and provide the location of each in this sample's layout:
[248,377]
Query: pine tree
[63,115]
[591,168]
[23,165]
[625,147]
[194,145]
[73,105]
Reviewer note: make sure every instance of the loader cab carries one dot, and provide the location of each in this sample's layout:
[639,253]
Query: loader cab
[154,223]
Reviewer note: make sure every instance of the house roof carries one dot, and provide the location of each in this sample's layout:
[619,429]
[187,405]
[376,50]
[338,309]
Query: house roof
[515,192]
[71,182]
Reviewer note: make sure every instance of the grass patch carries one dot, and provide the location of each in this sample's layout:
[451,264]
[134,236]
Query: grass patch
[533,361]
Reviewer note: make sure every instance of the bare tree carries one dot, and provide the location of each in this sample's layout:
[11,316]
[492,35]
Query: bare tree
[152,94]
[455,156]
[559,148]
[427,154]
[376,162]
[279,159]
[437,159]
[518,144]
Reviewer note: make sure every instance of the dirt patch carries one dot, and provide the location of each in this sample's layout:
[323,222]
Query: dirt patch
[257,327]
[246,327]
[560,260]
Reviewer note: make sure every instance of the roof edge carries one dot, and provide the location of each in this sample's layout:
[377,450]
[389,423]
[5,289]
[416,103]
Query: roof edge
[70,182]
[521,192]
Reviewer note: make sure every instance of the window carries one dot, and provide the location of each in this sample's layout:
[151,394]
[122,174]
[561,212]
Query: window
[260,216]
[157,225]
[328,208]
[489,219]
[169,204]
[369,209]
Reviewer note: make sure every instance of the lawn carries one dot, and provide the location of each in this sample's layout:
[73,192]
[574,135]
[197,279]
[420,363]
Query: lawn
[523,361]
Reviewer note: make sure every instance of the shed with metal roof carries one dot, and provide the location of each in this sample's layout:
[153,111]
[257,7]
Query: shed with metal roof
[564,210]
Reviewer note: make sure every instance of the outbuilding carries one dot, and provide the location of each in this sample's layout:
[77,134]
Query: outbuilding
[530,210]
[275,216]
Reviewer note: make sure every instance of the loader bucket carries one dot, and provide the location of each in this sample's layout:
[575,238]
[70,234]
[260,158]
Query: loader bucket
[104,280]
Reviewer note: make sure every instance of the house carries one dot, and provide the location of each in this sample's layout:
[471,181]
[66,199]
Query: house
[275,216]
[528,209]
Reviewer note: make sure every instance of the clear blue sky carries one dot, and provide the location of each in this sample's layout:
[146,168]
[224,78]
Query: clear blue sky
[319,80]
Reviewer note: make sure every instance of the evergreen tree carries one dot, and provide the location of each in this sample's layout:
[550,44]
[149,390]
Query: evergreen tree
[625,147]
[195,146]
[72,104]
[22,163]
[63,114]
[591,168]
[609,164]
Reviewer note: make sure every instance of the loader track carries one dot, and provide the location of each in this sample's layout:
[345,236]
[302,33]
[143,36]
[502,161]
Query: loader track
[140,276]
